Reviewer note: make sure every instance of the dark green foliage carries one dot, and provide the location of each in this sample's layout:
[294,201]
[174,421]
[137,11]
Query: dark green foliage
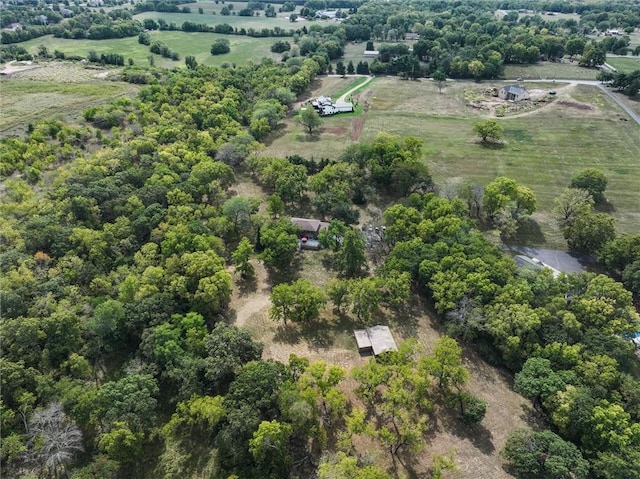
[543,454]
[220,46]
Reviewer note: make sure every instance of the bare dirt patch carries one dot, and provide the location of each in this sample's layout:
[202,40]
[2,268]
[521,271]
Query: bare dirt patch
[333,131]
[573,104]
[356,126]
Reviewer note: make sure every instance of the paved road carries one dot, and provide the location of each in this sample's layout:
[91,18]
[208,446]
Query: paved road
[634,116]
[560,260]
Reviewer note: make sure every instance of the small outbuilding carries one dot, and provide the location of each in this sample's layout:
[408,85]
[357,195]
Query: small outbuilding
[376,340]
[513,93]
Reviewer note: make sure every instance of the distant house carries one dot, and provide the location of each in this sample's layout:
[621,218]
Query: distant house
[65,12]
[326,14]
[15,26]
[325,106]
[371,53]
[309,228]
[42,19]
[513,93]
[376,340]
[412,36]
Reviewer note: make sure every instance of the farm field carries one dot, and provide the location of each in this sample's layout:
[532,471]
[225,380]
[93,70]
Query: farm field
[549,71]
[185,43]
[544,148]
[624,65]
[53,90]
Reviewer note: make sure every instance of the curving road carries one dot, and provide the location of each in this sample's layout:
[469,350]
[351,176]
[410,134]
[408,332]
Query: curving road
[634,116]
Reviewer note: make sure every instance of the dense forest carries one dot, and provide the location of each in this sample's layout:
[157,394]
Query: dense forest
[122,240]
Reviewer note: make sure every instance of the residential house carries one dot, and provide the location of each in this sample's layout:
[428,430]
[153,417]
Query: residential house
[309,228]
[412,36]
[513,93]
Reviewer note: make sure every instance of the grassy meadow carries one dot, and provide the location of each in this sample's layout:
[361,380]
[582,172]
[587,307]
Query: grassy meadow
[197,44]
[543,149]
[624,65]
[53,90]
[211,16]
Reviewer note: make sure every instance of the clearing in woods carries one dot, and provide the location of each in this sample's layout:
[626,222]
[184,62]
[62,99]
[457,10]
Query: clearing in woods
[581,127]
[56,90]
[330,338]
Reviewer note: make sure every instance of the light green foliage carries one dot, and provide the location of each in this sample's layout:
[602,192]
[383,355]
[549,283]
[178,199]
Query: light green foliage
[441,463]
[396,391]
[241,257]
[297,302]
[489,130]
[121,444]
[200,413]
[309,119]
[269,446]
[343,466]
[446,364]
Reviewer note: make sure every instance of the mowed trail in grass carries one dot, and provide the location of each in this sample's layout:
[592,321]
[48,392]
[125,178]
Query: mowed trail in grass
[543,150]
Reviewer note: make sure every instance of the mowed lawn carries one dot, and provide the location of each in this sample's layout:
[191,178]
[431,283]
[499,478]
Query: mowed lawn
[624,65]
[543,149]
[197,44]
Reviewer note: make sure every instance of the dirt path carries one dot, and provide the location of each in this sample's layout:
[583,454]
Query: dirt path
[250,298]
[357,87]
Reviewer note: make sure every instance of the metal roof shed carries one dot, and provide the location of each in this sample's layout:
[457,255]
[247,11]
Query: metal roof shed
[377,339]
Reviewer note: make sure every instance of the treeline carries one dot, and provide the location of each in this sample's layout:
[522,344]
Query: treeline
[163,25]
[117,23]
[156,191]
[468,40]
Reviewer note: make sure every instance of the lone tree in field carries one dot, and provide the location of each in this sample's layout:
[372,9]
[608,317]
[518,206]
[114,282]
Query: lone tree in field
[310,120]
[592,180]
[440,78]
[489,131]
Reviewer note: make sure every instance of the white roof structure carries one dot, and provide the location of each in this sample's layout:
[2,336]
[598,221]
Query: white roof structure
[376,339]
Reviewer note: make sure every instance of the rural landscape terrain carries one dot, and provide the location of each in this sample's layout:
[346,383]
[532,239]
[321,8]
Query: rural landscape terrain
[333,239]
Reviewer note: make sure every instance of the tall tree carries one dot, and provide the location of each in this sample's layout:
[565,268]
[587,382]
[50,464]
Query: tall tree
[350,258]
[309,119]
[592,180]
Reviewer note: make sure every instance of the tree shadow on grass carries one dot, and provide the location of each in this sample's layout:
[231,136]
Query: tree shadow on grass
[477,434]
[306,138]
[318,333]
[286,275]
[604,207]
[247,286]
[492,145]
[528,233]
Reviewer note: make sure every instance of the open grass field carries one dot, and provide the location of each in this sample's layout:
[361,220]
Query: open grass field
[549,71]
[544,148]
[211,16]
[624,65]
[53,90]
[197,44]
